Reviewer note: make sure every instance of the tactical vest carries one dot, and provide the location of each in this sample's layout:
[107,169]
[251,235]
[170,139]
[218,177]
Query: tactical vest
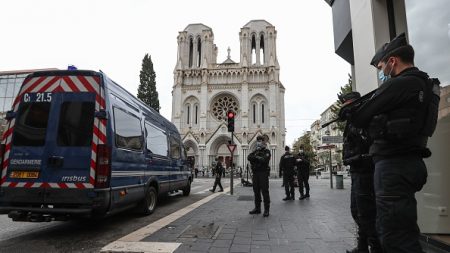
[410,125]
[356,146]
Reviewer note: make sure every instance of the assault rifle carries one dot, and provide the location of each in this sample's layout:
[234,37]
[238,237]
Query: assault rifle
[349,108]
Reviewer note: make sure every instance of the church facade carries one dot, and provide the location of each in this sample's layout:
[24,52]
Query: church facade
[204,91]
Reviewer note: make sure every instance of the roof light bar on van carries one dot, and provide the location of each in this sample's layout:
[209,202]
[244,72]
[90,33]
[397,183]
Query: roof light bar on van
[103,170]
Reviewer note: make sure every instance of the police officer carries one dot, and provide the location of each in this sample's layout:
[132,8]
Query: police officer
[400,117]
[259,160]
[218,172]
[303,165]
[287,164]
[362,204]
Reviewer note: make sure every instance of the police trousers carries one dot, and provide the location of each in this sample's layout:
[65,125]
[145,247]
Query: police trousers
[261,186]
[288,182]
[396,181]
[303,177]
[363,209]
[217,183]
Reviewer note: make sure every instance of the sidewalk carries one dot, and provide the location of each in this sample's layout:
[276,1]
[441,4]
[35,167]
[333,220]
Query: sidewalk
[320,224]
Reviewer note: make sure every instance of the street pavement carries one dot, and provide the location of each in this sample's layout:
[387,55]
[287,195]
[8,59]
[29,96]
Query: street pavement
[320,224]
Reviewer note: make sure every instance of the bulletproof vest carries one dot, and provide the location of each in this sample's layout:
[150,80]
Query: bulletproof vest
[356,145]
[410,125]
[260,164]
[288,161]
[304,163]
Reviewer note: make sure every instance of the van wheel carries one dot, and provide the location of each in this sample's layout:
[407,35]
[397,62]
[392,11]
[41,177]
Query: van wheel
[187,189]
[148,204]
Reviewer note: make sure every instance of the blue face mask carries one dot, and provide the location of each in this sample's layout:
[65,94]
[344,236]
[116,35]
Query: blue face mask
[383,78]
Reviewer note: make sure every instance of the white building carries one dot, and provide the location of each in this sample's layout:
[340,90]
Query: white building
[323,155]
[205,90]
[315,137]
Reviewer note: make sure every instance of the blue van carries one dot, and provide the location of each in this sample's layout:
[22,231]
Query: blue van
[79,145]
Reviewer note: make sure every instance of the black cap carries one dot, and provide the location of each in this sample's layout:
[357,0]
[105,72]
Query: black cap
[378,55]
[349,96]
[286,148]
[388,48]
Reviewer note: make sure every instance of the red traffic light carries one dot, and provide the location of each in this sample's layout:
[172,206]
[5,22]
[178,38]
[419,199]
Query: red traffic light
[230,114]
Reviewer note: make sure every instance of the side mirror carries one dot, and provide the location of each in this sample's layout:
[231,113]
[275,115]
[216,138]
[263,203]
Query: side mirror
[10,115]
[101,114]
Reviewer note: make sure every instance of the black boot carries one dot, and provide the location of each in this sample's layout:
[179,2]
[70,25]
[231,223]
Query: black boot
[256,210]
[287,198]
[266,212]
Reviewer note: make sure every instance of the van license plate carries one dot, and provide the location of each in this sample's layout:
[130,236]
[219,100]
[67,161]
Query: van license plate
[24,174]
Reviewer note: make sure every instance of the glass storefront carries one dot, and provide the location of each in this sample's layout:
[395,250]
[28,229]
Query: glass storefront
[429,34]
[9,87]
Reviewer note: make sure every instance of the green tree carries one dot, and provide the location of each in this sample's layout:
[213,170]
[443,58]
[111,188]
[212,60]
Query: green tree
[147,87]
[305,141]
[347,88]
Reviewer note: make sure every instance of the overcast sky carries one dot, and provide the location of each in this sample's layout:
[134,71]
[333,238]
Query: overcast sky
[115,35]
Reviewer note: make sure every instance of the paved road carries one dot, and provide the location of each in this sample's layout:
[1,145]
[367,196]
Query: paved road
[88,235]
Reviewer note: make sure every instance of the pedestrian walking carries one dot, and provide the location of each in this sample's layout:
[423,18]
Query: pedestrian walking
[259,161]
[303,166]
[218,172]
[287,164]
[400,117]
[355,154]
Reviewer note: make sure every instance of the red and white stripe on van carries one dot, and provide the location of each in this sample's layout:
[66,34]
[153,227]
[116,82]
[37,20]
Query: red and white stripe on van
[58,84]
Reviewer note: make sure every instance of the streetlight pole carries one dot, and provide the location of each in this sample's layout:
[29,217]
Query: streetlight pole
[331,173]
[232,167]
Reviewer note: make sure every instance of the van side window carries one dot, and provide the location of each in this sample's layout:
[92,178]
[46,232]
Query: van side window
[174,148]
[76,123]
[156,140]
[128,130]
[31,124]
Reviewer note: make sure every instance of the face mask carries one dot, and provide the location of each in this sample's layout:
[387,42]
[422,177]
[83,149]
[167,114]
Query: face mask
[259,145]
[383,78]
[301,151]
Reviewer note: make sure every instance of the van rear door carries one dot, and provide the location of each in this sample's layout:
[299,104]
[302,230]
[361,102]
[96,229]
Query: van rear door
[50,144]
[69,141]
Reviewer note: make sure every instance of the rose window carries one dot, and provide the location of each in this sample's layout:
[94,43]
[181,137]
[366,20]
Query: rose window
[222,105]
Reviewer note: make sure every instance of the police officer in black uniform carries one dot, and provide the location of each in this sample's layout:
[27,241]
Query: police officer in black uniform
[362,205]
[303,165]
[218,170]
[287,164]
[400,117]
[259,160]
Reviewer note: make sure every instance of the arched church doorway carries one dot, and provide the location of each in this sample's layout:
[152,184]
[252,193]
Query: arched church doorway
[192,153]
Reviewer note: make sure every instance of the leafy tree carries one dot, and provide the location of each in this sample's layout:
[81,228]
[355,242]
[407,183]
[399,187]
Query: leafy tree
[347,88]
[147,87]
[305,141]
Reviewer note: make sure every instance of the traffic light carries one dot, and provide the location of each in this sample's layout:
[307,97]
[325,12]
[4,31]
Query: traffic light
[230,117]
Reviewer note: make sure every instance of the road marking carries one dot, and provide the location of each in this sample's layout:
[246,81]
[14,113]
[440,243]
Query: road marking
[132,242]
[144,247]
